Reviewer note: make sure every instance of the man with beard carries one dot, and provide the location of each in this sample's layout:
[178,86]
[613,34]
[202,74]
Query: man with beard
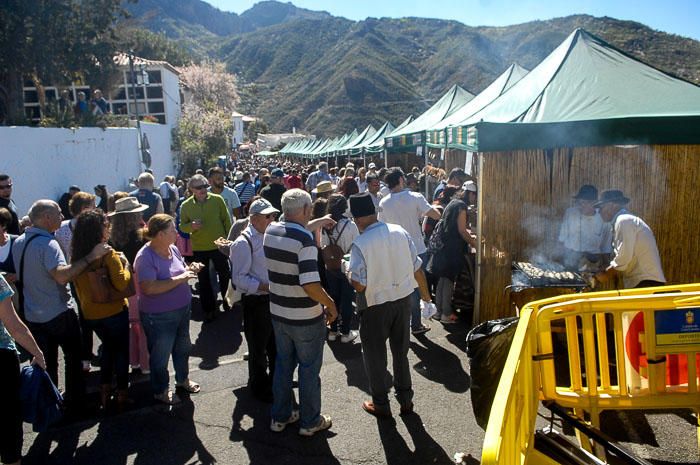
[218,186]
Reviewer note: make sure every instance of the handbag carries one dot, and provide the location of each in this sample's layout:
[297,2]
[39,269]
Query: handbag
[103,291]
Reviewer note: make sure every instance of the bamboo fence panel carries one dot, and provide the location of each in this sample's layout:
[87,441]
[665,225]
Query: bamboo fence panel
[525,194]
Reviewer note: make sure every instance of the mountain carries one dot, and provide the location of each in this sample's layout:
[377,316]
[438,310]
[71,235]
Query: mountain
[327,75]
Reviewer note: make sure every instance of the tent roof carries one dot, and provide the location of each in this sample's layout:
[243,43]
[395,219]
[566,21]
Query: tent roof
[376,142]
[453,99]
[501,84]
[366,133]
[583,80]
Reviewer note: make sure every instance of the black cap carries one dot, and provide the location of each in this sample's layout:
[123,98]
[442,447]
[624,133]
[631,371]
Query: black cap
[362,205]
[614,196]
[587,192]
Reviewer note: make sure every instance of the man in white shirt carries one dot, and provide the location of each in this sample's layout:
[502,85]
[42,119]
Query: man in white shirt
[635,254]
[582,229]
[249,275]
[407,209]
[385,267]
[373,187]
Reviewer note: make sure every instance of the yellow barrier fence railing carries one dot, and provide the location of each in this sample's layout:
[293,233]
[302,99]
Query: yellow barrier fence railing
[632,349]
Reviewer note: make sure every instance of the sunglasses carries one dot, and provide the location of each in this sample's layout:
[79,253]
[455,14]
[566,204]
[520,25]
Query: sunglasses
[6,186]
[199,188]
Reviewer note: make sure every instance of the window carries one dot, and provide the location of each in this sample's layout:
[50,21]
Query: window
[154,92]
[154,77]
[156,107]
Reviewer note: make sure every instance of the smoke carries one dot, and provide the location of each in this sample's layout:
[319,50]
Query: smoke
[540,226]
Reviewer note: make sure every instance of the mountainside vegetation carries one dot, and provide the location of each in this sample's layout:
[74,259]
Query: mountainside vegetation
[327,75]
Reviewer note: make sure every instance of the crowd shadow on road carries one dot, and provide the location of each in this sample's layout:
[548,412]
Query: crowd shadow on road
[157,435]
[440,365]
[397,451]
[350,355]
[250,426]
[218,338]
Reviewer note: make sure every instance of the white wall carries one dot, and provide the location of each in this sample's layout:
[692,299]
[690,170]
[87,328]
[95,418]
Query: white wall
[43,162]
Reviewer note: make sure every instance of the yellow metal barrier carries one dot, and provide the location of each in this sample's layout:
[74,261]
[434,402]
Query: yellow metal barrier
[590,371]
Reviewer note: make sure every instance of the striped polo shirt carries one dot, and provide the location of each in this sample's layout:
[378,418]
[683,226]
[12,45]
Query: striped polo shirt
[292,261]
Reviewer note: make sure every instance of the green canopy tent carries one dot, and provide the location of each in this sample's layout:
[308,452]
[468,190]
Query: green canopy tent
[333,150]
[586,92]
[587,114]
[375,144]
[353,147]
[411,136]
[436,135]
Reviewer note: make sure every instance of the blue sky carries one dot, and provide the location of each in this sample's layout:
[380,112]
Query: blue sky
[675,16]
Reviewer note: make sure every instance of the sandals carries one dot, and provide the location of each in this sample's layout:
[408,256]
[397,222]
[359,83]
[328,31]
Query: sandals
[167,397]
[189,386]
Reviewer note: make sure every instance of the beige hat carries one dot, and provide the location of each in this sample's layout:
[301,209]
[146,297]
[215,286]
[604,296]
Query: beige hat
[127,205]
[323,186]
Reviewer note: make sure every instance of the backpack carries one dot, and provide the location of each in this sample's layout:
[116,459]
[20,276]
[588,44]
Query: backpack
[332,253]
[435,243]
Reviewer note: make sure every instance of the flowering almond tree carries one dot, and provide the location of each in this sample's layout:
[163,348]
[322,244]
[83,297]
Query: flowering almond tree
[205,128]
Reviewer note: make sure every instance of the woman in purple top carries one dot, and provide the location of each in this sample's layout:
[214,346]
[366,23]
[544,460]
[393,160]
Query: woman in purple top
[164,302]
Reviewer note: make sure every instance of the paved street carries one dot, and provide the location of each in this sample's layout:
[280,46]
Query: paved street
[224,424]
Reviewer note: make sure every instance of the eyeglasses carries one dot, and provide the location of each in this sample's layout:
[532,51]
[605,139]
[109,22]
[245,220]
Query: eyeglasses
[6,186]
[199,188]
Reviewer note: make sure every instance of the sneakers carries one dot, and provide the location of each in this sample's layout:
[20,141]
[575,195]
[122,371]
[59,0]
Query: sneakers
[324,423]
[332,336]
[420,330]
[168,397]
[279,426]
[351,336]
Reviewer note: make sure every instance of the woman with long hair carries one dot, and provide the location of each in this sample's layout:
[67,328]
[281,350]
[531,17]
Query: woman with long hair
[102,197]
[126,236]
[446,248]
[165,298]
[349,187]
[110,320]
[342,234]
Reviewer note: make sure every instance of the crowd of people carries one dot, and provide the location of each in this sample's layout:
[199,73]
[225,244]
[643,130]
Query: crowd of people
[305,252]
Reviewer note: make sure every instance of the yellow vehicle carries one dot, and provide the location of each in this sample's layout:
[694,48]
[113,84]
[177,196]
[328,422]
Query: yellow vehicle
[581,354]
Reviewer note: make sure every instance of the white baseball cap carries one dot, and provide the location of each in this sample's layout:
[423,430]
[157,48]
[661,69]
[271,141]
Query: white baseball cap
[469,186]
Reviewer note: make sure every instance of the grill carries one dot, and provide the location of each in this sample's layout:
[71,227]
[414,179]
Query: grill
[528,275]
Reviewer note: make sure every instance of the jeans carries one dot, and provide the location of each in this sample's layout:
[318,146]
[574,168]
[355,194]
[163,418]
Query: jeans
[377,324]
[206,288]
[343,294]
[298,345]
[113,331]
[64,332]
[260,337]
[443,297]
[11,408]
[168,333]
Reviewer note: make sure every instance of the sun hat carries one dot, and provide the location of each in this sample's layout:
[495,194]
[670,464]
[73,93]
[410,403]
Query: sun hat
[323,186]
[587,192]
[127,205]
[612,195]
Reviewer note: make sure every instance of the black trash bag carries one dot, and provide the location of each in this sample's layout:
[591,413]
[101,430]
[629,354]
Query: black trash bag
[488,344]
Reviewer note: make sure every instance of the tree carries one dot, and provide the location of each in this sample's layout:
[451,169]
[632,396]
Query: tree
[210,86]
[205,128]
[56,41]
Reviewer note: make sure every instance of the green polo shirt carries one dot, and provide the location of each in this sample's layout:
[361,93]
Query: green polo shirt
[216,221]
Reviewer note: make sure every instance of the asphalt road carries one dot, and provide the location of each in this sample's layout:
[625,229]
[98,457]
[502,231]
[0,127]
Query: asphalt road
[224,424]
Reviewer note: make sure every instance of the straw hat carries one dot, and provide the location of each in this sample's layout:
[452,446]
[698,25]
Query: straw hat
[127,205]
[323,186]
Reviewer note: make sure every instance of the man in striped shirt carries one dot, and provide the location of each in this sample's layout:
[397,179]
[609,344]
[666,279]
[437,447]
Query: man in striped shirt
[245,190]
[298,319]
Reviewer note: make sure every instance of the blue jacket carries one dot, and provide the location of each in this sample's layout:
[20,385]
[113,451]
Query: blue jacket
[41,401]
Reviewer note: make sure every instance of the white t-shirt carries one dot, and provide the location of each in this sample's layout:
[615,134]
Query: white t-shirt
[582,233]
[350,232]
[230,199]
[405,208]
